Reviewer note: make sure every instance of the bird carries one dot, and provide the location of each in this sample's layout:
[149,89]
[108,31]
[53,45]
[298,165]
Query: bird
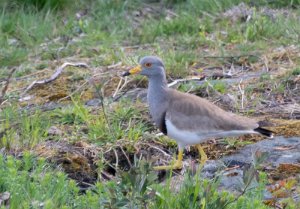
[187,118]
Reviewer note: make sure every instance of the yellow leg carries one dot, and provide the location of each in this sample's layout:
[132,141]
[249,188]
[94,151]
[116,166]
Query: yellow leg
[203,156]
[176,165]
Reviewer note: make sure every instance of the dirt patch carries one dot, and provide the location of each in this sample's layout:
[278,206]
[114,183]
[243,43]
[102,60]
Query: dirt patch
[78,160]
[88,163]
[72,79]
[287,128]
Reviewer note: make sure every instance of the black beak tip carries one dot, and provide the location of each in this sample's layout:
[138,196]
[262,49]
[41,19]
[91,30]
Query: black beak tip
[126,74]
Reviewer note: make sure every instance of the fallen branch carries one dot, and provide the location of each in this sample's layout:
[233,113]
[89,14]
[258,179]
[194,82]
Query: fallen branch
[4,89]
[184,80]
[55,75]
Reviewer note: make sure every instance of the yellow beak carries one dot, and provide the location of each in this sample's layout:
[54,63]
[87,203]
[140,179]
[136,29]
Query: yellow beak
[134,70]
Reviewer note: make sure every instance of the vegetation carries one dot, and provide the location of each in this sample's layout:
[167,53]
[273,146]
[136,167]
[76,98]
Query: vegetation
[46,187]
[191,36]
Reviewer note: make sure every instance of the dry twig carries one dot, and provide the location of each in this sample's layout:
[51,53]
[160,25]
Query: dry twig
[242,91]
[184,80]
[117,158]
[55,75]
[157,148]
[127,158]
[4,89]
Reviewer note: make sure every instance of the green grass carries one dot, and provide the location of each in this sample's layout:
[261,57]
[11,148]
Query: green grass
[35,34]
[123,122]
[22,130]
[109,23]
[33,183]
[35,28]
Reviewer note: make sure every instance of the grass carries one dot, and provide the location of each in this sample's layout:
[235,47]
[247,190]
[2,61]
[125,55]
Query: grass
[136,188]
[21,130]
[35,35]
[190,29]
[124,121]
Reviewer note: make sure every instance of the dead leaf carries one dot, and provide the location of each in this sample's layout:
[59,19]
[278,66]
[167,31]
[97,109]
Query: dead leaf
[290,168]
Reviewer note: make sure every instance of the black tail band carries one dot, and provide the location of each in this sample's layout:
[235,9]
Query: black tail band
[264,132]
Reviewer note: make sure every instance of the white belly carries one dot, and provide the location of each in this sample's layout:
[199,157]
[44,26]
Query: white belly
[185,137]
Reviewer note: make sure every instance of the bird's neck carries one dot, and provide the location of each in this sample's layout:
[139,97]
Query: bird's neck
[157,86]
[157,97]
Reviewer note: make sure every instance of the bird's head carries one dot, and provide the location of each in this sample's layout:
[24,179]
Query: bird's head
[149,66]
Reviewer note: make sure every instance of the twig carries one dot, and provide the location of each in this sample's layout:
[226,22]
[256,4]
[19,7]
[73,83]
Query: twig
[126,156]
[183,80]
[265,60]
[7,80]
[107,175]
[231,57]
[123,93]
[242,93]
[55,75]
[136,46]
[101,98]
[157,148]
[32,74]
[117,158]
[118,87]
[114,65]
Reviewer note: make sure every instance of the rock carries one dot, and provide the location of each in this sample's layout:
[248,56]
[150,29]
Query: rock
[241,11]
[4,199]
[54,131]
[282,153]
[12,41]
[137,93]
[212,167]
[272,147]
[232,180]
[93,103]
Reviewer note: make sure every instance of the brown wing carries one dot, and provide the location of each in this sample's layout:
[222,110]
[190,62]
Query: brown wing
[190,112]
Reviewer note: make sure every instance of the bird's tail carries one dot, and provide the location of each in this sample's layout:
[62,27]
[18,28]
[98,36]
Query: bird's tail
[264,132]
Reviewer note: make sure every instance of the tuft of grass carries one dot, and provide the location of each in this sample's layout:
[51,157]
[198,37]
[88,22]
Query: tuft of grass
[124,121]
[21,130]
[32,183]
[296,71]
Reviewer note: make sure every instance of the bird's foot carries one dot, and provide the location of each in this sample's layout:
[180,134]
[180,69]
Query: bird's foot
[175,166]
[203,156]
[203,160]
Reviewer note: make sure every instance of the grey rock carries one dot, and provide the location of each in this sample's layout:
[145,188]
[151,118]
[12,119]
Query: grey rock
[93,102]
[137,93]
[276,156]
[54,131]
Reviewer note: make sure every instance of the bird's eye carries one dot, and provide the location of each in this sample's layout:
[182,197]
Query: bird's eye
[148,64]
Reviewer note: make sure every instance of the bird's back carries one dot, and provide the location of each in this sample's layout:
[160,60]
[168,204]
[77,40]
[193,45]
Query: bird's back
[190,112]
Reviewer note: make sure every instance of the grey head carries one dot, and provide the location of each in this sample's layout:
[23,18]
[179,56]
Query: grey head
[150,66]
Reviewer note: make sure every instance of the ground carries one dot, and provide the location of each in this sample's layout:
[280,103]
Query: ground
[70,118]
